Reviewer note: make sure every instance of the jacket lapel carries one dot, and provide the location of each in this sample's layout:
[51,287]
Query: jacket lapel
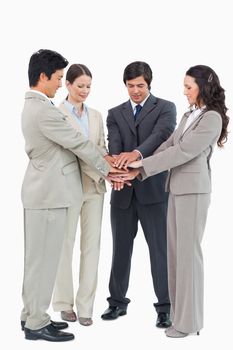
[149,105]
[128,116]
[179,132]
[92,125]
[195,122]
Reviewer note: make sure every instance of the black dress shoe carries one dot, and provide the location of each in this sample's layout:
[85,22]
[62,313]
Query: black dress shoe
[49,333]
[57,325]
[163,320]
[113,312]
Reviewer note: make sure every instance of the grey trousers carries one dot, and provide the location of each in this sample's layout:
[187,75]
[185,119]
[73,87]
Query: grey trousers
[187,216]
[44,234]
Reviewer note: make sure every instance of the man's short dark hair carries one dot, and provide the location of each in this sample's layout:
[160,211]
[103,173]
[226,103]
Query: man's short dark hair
[44,61]
[137,69]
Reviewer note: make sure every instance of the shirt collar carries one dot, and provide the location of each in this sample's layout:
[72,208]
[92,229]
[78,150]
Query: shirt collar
[40,93]
[133,104]
[72,108]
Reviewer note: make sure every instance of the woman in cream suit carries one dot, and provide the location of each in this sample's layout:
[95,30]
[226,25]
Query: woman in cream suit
[89,122]
[187,154]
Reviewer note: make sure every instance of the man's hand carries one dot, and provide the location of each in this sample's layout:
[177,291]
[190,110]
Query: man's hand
[114,175]
[124,158]
[125,177]
[110,159]
[117,171]
[118,186]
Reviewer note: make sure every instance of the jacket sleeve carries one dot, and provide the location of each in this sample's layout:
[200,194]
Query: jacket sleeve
[53,125]
[205,133]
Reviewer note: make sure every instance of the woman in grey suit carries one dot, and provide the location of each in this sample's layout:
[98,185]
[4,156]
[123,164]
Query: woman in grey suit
[187,154]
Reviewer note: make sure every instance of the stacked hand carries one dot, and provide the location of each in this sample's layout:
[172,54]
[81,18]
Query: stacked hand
[123,159]
[120,174]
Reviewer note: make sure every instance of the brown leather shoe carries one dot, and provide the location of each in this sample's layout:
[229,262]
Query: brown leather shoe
[85,321]
[69,316]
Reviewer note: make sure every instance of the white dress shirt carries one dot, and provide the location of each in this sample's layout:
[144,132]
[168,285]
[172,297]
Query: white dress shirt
[192,116]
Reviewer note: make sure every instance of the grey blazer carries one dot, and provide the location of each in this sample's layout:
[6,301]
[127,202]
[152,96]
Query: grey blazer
[52,178]
[154,125]
[187,155]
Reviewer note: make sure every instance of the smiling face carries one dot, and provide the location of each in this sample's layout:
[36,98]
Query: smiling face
[79,89]
[191,91]
[137,89]
[50,86]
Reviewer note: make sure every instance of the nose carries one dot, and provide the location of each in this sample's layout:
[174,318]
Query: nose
[135,90]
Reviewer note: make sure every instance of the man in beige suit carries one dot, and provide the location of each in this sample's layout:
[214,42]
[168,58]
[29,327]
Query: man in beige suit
[51,184]
[187,154]
[89,122]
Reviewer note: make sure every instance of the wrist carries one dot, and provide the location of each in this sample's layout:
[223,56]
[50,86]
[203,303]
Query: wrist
[138,154]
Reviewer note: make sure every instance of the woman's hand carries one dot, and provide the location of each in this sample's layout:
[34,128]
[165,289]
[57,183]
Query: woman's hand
[135,165]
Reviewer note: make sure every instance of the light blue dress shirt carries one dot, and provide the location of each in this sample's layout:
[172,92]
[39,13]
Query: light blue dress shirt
[82,120]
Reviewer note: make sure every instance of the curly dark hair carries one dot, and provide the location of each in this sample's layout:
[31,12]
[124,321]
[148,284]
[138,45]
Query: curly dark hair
[211,94]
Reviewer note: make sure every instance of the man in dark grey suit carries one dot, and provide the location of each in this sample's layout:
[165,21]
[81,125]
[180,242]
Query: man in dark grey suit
[135,129]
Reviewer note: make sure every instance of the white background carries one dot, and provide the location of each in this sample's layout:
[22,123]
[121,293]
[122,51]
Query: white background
[107,35]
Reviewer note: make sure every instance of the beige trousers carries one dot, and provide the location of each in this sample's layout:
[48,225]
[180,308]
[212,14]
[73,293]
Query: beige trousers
[187,216]
[90,227]
[44,234]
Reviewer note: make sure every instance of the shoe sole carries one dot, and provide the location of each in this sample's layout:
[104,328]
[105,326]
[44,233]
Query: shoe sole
[163,326]
[35,337]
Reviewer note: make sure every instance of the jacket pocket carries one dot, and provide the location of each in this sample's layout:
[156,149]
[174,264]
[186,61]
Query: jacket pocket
[69,168]
[191,169]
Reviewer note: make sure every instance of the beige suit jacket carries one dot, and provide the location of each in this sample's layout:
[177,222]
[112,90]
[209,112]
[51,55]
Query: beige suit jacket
[52,178]
[96,136]
[187,155]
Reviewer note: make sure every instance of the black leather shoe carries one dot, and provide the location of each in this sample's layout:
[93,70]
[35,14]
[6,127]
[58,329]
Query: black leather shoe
[163,320]
[112,313]
[49,333]
[57,325]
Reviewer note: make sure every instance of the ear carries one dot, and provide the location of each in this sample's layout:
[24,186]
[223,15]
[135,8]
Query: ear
[43,77]
[67,84]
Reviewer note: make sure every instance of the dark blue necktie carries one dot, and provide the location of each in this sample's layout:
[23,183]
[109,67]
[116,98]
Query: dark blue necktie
[138,109]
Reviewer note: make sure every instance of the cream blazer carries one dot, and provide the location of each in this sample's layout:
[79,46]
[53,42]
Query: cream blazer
[187,155]
[96,136]
[53,146]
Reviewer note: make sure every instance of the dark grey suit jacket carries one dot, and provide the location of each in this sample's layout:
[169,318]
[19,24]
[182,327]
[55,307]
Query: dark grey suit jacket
[153,126]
